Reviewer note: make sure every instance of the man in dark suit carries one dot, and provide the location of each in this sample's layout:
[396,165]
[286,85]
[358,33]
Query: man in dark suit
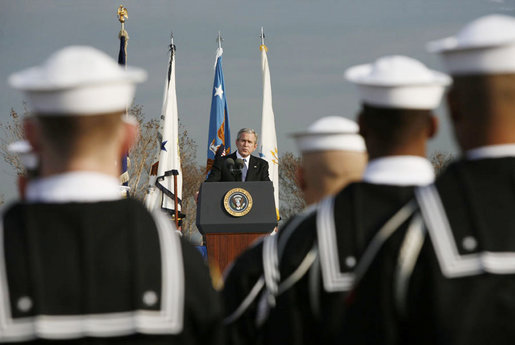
[254,168]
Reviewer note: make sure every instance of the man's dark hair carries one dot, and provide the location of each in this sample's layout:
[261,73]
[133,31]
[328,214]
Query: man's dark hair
[67,134]
[392,128]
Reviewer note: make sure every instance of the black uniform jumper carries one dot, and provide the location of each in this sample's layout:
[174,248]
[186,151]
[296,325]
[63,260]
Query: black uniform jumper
[101,272]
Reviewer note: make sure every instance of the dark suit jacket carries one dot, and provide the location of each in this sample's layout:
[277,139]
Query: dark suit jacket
[258,170]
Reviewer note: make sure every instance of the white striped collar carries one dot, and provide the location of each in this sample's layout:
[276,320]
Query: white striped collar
[399,171]
[80,186]
[169,319]
[492,151]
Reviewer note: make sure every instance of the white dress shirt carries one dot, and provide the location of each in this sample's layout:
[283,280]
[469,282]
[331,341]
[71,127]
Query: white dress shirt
[399,171]
[80,186]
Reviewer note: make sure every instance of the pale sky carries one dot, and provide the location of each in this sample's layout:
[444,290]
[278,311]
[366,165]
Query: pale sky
[311,43]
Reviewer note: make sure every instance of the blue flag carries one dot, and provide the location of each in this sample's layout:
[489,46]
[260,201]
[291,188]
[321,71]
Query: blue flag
[122,60]
[219,140]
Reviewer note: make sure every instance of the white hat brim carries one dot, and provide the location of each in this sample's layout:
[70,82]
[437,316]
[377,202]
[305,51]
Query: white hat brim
[311,142]
[361,75]
[34,79]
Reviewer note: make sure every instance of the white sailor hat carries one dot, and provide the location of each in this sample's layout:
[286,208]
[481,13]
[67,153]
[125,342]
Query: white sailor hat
[398,82]
[27,156]
[78,80]
[484,46]
[330,133]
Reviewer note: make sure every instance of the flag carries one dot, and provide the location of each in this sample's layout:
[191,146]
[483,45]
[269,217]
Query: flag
[122,60]
[268,147]
[161,192]
[219,139]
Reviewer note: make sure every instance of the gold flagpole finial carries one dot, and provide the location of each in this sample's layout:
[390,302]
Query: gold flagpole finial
[122,14]
[262,36]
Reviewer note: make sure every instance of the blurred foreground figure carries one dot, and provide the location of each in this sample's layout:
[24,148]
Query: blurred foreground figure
[308,267]
[333,155]
[29,162]
[78,264]
[448,275]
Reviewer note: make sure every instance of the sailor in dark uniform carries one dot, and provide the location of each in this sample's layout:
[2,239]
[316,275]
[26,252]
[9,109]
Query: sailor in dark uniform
[308,268]
[77,263]
[447,276]
[333,154]
[328,147]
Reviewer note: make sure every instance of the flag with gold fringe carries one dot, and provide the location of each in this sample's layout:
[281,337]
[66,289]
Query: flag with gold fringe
[268,146]
[122,60]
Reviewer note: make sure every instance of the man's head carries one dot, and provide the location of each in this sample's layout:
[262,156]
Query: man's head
[77,98]
[398,95]
[396,131]
[333,155]
[246,141]
[481,60]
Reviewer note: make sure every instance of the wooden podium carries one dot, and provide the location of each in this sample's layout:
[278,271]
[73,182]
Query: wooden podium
[232,215]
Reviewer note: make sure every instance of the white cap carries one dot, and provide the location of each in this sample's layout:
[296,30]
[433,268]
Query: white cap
[331,133]
[78,80]
[27,156]
[484,46]
[398,82]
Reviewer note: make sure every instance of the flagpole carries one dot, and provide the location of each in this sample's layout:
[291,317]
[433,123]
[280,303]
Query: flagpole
[219,39]
[268,149]
[175,173]
[219,134]
[122,15]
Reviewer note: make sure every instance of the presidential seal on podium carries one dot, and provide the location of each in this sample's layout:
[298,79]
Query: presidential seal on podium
[237,202]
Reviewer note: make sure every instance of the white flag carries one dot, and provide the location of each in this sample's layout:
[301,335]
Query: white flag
[268,148]
[161,182]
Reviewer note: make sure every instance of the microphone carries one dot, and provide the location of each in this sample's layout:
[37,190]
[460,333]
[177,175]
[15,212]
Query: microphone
[229,164]
[239,163]
[235,171]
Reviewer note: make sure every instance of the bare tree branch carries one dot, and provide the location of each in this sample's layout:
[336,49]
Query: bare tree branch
[291,199]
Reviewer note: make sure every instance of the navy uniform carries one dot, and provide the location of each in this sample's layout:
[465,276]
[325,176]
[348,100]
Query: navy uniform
[309,269]
[81,265]
[447,275]
[331,136]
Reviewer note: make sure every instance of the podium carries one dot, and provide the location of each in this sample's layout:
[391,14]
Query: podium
[232,215]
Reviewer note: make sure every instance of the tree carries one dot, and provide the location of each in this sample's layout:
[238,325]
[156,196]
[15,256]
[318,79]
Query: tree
[193,176]
[291,200]
[141,156]
[440,160]
[11,131]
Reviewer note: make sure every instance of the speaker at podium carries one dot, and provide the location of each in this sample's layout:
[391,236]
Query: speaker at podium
[232,215]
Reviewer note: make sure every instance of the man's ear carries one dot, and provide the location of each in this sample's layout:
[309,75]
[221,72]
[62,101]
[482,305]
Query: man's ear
[32,133]
[433,126]
[130,135]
